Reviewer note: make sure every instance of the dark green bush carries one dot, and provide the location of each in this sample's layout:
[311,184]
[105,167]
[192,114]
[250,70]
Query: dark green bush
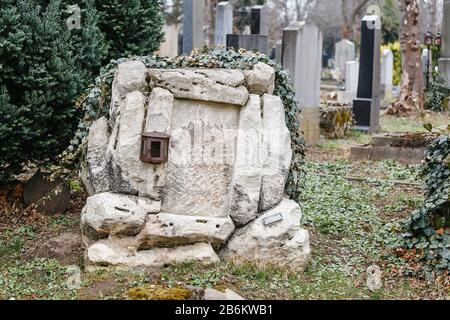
[45,66]
[39,81]
[131,27]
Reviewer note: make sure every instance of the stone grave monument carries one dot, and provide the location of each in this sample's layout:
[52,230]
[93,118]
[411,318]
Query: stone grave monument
[302,56]
[224,22]
[190,165]
[193,23]
[345,51]
[258,37]
[366,107]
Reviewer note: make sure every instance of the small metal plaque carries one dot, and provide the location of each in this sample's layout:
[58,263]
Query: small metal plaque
[273,219]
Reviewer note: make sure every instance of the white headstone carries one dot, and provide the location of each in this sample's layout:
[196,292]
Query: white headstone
[169,48]
[387,73]
[302,56]
[224,22]
[345,51]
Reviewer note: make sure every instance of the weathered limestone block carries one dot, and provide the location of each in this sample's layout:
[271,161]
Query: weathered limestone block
[206,85]
[282,243]
[199,169]
[158,119]
[246,183]
[261,79]
[130,76]
[278,151]
[128,145]
[166,229]
[96,156]
[116,214]
[159,111]
[109,253]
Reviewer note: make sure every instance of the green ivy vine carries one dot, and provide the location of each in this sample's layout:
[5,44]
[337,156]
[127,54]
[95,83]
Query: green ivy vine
[428,229]
[95,103]
[437,95]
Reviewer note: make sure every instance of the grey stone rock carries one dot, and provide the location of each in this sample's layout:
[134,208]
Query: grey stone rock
[166,229]
[277,151]
[261,79]
[73,281]
[247,175]
[107,253]
[116,214]
[97,172]
[130,76]
[282,243]
[204,85]
[213,294]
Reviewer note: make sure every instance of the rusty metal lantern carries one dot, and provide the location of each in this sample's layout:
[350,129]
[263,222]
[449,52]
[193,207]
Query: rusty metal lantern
[154,147]
[438,40]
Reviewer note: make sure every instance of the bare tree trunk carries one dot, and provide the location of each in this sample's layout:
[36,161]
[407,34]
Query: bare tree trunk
[210,19]
[411,95]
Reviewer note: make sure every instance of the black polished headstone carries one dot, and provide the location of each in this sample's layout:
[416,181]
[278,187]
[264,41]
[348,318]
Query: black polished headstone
[366,107]
[259,20]
[249,42]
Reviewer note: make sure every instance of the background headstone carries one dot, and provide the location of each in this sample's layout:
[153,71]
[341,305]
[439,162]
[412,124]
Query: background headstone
[248,41]
[427,61]
[387,73]
[366,107]
[302,56]
[345,51]
[444,62]
[351,83]
[169,48]
[279,51]
[259,23]
[193,34]
[224,22]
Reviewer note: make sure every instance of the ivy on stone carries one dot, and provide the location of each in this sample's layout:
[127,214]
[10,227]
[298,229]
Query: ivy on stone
[428,228]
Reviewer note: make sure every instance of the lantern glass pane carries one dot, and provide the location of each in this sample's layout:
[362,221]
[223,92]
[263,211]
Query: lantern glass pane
[155,149]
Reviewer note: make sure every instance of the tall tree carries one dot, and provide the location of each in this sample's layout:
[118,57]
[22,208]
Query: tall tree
[351,9]
[411,95]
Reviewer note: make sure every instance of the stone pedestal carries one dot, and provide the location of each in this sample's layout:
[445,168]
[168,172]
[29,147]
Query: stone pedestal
[193,36]
[224,22]
[444,62]
[310,125]
[302,56]
[366,107]
[248,41]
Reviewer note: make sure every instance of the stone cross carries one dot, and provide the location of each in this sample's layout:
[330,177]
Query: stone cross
[345,51]
[259,20]
[444,62]
[366,107]
[224,22]
[193,36]
[302,56]
[169,48]
[387,73]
